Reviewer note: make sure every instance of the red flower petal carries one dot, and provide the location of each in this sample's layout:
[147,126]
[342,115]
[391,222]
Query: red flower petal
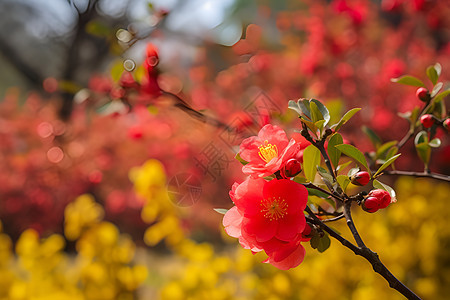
[248,196]
[295,194]
[260,227]
[274,135]
[232,222]
[294,259]
[289,226]
[249,150]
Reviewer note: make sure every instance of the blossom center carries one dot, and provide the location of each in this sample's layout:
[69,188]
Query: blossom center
[268,151]
[274,208]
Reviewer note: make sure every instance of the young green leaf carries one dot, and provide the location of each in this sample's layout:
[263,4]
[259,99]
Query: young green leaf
[294,106]
[348,115]
[440,96]
[374,138]
[386,164]
[435,143]
[343,181]
[409,80]
[354,153]
[385,147]
[311,159]
[334,153]
[323,110]
[424,152]
[432,74]
[438,69]
[315,113]
[436,89]
[304,106]
[221,210]
[343,166]
[320,243]
[379,185]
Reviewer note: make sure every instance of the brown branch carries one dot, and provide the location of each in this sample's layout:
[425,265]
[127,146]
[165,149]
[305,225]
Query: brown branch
[369,255]
[184,106]
[418,174]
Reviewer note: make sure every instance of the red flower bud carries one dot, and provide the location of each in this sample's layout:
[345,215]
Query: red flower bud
[292,167]
[422,94]
[370,204]
[427,120]
[360,178]
[384,199]
[446,124]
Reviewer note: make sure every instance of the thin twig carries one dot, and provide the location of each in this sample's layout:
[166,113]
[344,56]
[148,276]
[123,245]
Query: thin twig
[369,255]
[418,174]
[351,224]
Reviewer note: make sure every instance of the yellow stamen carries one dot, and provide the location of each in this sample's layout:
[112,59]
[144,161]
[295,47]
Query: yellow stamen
[268,151]
[274,208]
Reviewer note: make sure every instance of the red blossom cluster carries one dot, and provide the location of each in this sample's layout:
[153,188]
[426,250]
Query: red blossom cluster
[268,215]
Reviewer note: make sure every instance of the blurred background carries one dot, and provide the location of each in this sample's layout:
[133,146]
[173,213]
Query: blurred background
[108,184]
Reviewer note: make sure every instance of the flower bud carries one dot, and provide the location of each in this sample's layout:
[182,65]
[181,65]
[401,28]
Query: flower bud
[427,120]
[384,199]
[446,124]
[370,204]
[292,167]
[422,94]
[360,178]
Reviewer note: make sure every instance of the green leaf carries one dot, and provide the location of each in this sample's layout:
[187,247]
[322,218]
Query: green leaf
[435,143]
[334,153]
[413,118]
[320,243]
[374,138]
[300,179]
[392,152]
[348,115]
[343,166]
[319,124]
[304,106]
[354,153]
[379,185]
[385,147]
[436,89]
[323,110]
[310,125]
[314,192]
[421,137]
[221,210]
[311,159]
[294,106]
[409,80]
[432,74]
[353,171]
[240,159]
[315,113]
[424,152]
[343,181]
[386,164]
[326,177]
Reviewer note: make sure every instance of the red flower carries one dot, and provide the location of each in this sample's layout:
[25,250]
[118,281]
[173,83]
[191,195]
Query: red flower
[268,152]
[269,216]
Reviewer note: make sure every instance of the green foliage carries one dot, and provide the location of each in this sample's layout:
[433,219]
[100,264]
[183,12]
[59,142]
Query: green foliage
[221,210]
[333,152]
[348,115]
[409,80]
[311,159]
[321,243]
[386,164]
[354,153]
